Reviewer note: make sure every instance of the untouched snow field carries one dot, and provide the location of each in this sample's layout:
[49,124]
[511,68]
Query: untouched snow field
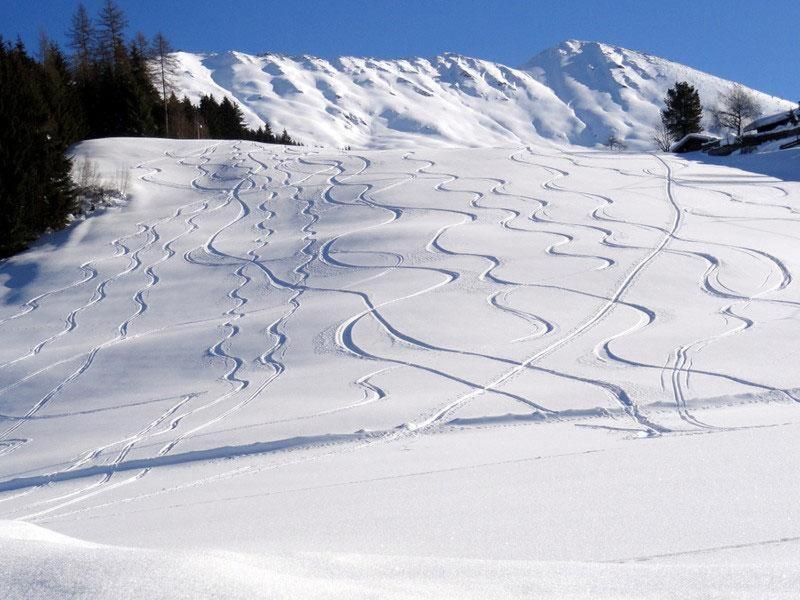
[532,371]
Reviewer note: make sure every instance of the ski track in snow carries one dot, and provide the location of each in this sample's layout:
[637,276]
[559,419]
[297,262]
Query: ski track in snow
[680,371]
[231,230]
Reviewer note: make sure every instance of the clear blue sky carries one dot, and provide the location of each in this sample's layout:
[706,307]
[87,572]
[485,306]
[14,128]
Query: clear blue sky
[757,43]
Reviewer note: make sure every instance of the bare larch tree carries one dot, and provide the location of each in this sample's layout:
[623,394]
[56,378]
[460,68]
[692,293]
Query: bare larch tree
[614,142]
[81,40]
[111,34]
[164,66]
[661,137]
[735,108]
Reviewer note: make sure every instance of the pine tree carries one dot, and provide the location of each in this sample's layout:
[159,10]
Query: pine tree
[263,134]
[683,111]
[258,135]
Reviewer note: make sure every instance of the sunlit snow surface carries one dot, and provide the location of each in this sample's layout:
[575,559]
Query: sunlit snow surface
[461,373]
[576,92]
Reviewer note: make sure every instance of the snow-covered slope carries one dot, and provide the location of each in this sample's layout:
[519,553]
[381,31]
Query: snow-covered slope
[534,372]
[577,92]
[621,91]
[451,99]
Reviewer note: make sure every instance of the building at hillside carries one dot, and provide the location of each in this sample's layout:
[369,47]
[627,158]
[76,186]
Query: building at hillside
[773,122]
[694,142]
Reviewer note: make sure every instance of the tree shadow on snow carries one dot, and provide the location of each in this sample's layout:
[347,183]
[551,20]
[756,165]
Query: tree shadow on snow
[780,164]
[19,275]
[22,269]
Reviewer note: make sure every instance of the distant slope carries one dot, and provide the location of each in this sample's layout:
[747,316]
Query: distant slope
[449,100]
[577,92]
[613,89]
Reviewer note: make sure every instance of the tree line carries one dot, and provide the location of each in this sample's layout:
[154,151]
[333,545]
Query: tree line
[683,113]
[107,84]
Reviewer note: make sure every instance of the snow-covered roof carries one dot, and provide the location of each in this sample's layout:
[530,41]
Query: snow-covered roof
[774,119]
[700,137]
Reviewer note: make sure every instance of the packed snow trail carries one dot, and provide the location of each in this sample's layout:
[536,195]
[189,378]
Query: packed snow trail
[257,317]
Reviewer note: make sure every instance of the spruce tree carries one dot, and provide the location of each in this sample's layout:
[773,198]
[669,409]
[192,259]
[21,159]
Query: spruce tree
[65,112]
[683,111]
[141,95]
[209,112]
[36,192]
[269,137]
[285,139]
[231,121]
[188,116]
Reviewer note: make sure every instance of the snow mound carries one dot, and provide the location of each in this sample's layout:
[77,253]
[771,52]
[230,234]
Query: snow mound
[37,564]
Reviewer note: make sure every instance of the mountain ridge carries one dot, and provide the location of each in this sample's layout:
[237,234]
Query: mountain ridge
[577,92]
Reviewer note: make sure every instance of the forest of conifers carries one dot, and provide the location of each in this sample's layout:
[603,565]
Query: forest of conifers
[107,84]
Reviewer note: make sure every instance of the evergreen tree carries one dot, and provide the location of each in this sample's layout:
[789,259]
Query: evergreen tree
[82,43]
[269,137]
[209,112]
[231,121]
[36,192]
[117,94]
[258,135]
[65,114]
[140,94]
[263,134]
[190,119]
[181,117]
[224,120]
[683,111]
[285,139]
[108,87]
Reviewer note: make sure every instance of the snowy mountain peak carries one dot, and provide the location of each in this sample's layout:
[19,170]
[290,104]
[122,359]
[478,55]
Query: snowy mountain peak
[590,54]
[619,91]
[577,92]
[575,46]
